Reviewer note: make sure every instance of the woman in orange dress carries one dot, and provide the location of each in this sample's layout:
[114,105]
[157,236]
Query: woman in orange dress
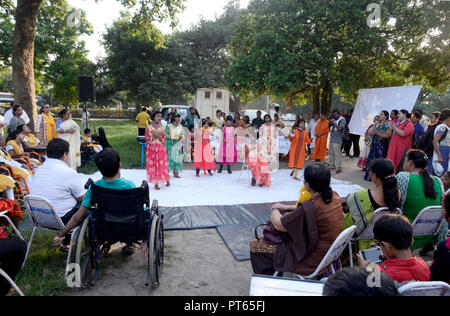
[299,138]
[322,130]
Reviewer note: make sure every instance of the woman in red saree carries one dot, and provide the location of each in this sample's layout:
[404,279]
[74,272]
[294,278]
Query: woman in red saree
[157,166]
[401,140]
[203,155]
[299,138]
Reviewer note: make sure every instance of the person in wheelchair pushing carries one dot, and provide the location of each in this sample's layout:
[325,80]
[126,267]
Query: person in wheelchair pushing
[108,162]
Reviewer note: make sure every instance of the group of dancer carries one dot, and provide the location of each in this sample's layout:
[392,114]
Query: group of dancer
[165,149]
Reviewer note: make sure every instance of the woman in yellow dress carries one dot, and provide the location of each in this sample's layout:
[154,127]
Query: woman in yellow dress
[18,169]
[45,126]
[15,148]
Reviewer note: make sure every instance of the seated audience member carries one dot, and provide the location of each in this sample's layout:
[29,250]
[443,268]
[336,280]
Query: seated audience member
[12,254]
[440,267]
[353,282]
[446,181]
[418,190]
[14,144]
[363,203]
[57,182]
[17,119]
[87,140]
[108,162]
[29,140]
[101,138]
[311,228]
[18,168]
[15,148]
[394,234]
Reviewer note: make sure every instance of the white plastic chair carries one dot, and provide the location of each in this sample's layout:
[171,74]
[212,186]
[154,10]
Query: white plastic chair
[263,285]
[428,222]
[13,227]
[44,216]
[332,254]
[13,284]
[368,232]
[433,288]
[245,166]
[16,231]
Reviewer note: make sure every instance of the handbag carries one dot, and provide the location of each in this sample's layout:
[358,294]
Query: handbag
[270,234]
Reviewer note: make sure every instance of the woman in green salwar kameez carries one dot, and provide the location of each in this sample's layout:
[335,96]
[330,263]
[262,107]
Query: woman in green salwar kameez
[174,145]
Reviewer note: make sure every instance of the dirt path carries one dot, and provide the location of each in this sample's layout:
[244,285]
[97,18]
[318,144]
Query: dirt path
[197,263]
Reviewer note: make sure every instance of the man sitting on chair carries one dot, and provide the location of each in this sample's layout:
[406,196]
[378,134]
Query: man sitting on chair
[57,182]
[108,162]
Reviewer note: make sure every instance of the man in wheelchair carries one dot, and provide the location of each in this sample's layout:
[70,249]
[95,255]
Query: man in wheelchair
[108,162]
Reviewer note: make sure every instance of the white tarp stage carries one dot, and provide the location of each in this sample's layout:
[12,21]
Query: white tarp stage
[372,101]
[224,189]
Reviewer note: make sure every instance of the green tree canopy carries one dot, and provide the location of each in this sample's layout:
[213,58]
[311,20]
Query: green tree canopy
[298,49]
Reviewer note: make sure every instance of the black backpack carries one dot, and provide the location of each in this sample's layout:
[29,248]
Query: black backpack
[426,142]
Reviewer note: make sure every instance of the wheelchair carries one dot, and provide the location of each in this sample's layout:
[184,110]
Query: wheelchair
[119,216]
[87,154]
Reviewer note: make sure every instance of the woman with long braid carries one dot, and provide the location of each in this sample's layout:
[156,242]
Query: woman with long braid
[363,203]
[419,190]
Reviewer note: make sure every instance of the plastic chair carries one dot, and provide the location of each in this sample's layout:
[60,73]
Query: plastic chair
[18,234]
[368,232]
[263,285]
[433,288]
[333,254]
[13,284]
[428,222]
[44,216]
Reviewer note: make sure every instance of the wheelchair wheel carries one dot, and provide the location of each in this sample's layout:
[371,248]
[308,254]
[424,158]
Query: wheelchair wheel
[85,253]
[156,251]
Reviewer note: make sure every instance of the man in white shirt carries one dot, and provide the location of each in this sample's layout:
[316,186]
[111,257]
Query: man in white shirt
[9,115]
[57,182]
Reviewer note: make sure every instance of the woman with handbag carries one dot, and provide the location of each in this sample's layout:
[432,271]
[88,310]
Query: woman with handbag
[303,233]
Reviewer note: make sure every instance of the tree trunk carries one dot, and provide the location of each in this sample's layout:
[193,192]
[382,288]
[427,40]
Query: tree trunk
[327,92]
[235,103]
[23,56]
[316,100]
[288,102]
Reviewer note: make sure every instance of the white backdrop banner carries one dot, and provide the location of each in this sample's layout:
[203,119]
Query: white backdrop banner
[372,101]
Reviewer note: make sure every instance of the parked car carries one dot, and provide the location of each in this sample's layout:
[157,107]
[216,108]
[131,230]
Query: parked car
[288,117]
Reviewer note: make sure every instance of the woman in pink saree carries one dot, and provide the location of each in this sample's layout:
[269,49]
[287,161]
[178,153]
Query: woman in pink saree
[401,140]
[228,150]
[157,166]
[203,155]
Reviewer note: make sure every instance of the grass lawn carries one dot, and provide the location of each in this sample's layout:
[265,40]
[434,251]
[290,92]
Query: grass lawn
[43,274]
[122,137]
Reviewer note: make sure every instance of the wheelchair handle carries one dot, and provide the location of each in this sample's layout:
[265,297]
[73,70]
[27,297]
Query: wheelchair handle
[88,183]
